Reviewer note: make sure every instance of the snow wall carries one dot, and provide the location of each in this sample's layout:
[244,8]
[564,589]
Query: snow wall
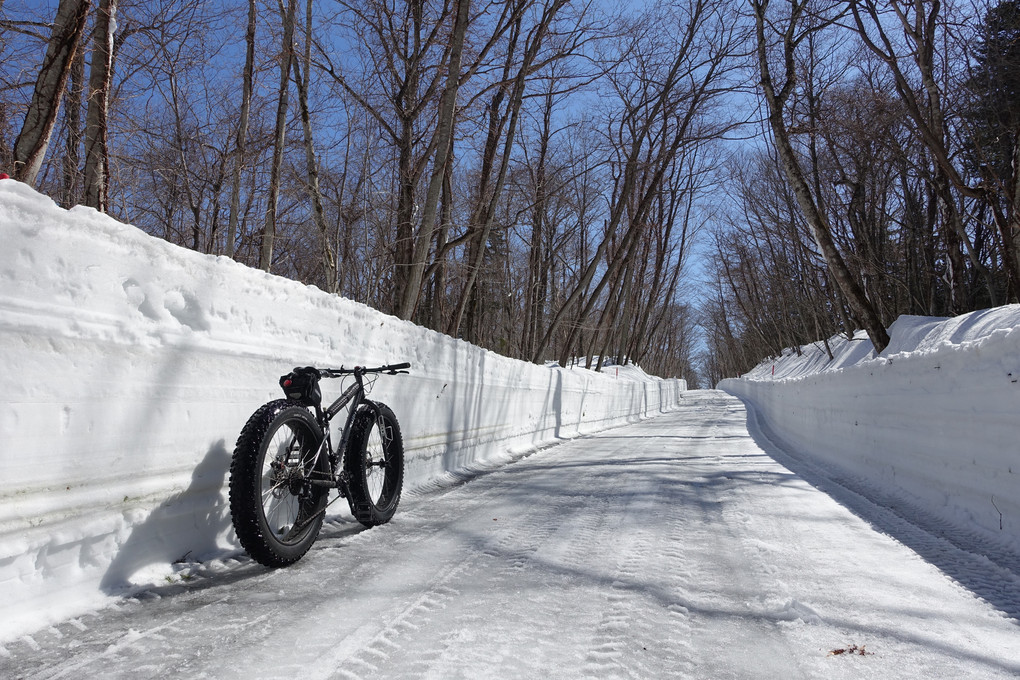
[130,366]
[935,418]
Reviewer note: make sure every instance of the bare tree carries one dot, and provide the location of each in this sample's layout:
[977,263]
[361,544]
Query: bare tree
[484,213]
[31,144]
[241,139]
[664,91]
[329,263]
[288,17]
[407,301]
[925,106]
[404,51]
[805,18]
[100,81]
[412,71]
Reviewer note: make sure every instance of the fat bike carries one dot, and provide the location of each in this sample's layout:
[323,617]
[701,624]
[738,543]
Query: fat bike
[285,465]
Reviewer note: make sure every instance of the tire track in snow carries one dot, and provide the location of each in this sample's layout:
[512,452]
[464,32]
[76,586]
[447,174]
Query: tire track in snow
[367,652]
[643,627]
[532,539]
[395,648]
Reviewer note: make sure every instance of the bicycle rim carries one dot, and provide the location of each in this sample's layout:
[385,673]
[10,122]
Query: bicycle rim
[378,471]
[287,459]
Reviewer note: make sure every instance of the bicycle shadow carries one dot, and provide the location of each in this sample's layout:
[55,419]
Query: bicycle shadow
[190,522]
[334,536]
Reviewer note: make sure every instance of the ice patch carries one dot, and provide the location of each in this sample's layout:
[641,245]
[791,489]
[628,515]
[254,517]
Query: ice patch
[794,610]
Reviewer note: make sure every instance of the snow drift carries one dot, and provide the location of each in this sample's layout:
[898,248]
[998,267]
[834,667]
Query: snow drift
[130,366]
[935,417]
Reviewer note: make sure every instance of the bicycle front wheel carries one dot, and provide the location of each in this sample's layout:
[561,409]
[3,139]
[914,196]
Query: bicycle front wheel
[375,465]
[275,509]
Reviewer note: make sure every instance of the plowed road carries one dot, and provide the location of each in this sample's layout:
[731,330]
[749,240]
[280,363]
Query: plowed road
[674,547]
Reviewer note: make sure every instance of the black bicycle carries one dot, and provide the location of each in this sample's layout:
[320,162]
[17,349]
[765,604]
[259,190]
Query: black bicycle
[285,465]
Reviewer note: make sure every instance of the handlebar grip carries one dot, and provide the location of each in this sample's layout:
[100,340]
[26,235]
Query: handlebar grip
[337,372]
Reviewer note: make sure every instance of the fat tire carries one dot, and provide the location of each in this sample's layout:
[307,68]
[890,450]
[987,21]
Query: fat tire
[375,466]
[248,474]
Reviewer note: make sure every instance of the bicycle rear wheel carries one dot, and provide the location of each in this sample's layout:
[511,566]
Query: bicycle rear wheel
[375,465]
[276,512]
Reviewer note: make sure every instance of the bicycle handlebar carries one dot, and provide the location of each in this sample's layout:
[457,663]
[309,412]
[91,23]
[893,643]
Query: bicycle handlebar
[391,369]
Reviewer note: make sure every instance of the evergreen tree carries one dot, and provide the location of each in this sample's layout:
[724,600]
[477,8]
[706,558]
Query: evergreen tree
[994,87]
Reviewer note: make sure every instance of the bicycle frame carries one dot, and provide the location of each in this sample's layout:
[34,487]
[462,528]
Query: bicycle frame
[356,396]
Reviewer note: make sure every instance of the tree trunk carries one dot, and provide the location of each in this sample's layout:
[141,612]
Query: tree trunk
[1011,234]
[535,294]
[242,132]
[329,264]
[269,233]
[31,144]
[72,122]
[100,76]
[447,112]
[437,311]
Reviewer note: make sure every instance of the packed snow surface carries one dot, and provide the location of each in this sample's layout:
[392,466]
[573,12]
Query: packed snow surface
[130,366]
[678,547]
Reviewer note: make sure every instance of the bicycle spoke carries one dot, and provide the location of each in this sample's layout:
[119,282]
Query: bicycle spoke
[273,518]
[270,492]
[280,507]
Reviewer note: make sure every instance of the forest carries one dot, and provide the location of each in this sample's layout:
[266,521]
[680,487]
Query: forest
[689,185]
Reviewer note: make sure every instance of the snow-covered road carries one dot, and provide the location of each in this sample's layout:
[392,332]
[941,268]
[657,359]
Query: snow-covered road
[675,547]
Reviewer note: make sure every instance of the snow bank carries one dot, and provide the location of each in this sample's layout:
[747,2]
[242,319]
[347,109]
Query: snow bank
[130,366]
[935,418]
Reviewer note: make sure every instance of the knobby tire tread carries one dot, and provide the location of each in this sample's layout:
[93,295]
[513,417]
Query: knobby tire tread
[365,510]
[246,509]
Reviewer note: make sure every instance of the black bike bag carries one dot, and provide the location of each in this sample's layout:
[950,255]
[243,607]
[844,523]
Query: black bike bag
[302,385]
